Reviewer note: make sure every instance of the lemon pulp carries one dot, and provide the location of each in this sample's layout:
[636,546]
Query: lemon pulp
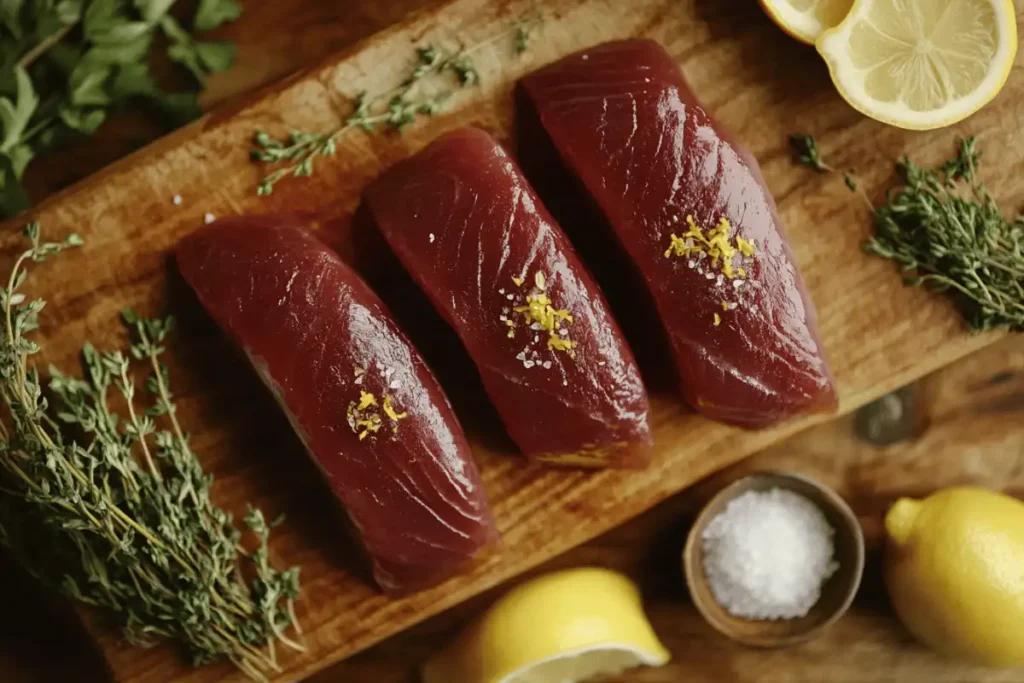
[921,64]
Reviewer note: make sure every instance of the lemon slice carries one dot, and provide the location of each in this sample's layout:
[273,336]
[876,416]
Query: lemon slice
[565,627]
[805,20]
[921,64]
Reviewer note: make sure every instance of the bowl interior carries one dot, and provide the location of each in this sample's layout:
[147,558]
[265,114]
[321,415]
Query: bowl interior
[836,593]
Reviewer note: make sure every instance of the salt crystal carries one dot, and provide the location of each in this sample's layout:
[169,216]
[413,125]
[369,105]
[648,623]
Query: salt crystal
[176,199]
[209,218]
[547,365]
[432,238]
[767,555]
[528,364]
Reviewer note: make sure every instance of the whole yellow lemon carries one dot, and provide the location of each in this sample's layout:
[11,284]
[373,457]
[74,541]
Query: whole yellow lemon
[955,572]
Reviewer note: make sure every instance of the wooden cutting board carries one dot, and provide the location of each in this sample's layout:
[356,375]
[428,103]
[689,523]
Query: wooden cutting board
[878,334]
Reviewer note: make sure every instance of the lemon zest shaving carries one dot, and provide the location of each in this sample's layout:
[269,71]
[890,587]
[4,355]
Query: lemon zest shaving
[390,411]
[518,281]
[718,320]
[368,425]
[366,400]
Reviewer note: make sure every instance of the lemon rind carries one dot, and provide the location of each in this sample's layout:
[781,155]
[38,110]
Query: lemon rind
[801,25]
[643,657]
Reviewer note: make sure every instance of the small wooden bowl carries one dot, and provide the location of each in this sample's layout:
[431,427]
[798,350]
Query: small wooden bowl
[836,593]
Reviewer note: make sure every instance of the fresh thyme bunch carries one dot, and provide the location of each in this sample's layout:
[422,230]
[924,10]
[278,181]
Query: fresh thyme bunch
[115,510]
[946,231]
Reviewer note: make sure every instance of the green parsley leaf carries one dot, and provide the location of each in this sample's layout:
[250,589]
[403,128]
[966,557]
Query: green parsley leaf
[184,54]
[68,11]
[15,116]
[130,52]
[87,85]
[153,10]
[213,13]
[120,32]
[216,55]
[131,80]
[82,119]
[100,15]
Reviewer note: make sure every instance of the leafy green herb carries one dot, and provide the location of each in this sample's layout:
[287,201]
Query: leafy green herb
[850,181]
[65,64]
[523,32]
[805,149]
[946,232]
[422,92]
[114,509]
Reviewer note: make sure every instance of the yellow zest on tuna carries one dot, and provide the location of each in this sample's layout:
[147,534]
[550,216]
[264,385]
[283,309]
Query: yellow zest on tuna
[541,315]
[714,244]
[363,416]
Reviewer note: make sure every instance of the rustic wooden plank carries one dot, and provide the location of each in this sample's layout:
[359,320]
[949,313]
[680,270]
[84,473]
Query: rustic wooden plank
[879,335]
[967,432]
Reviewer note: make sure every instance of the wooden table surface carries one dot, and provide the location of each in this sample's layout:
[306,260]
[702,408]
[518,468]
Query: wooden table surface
[962,424]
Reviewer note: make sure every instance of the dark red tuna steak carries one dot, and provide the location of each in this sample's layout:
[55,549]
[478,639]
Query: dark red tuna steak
[741,325]
[466,224]
[370,412]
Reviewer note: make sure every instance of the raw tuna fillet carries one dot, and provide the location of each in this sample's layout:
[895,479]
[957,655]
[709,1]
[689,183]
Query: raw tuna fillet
[368,410]
[689,206]
[464,222]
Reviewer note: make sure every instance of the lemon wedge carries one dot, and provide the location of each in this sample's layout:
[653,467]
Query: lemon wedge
[805,20]
[565,627]
[921,64]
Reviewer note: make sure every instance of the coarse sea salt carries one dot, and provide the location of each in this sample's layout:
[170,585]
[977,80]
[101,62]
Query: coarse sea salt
[767,555]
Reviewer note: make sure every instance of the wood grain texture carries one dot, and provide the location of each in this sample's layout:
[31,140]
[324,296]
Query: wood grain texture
[968,417]
[879,335]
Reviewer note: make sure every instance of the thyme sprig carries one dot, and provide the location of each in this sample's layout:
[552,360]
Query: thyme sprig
[114,510]
[946,231]
[421,93]
[806,153]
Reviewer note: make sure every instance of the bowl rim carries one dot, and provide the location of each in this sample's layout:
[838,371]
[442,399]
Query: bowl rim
[694,573]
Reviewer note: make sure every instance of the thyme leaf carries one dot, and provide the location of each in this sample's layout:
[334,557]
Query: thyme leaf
[805,150]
